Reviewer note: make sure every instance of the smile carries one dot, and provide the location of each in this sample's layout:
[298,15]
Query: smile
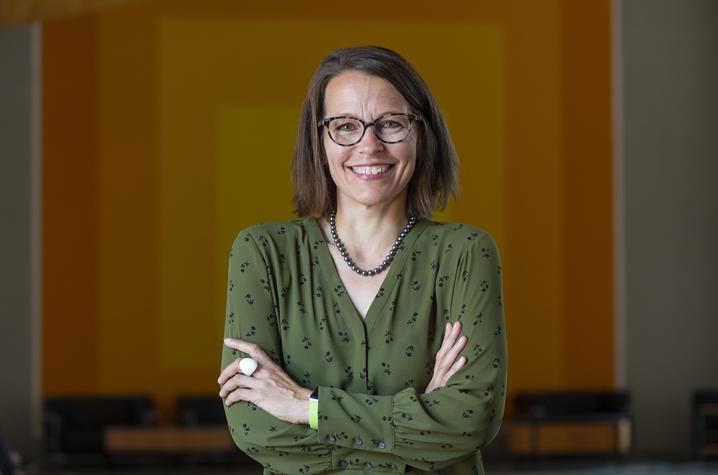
[371,172]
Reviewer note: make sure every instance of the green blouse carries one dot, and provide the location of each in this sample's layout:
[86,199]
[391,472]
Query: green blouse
[285,294]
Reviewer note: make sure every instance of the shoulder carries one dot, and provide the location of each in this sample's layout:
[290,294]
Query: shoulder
[457,235]
[462,249]
[272,234]
[273,228]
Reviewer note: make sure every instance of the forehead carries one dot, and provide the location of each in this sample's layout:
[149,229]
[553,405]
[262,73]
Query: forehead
[358,92]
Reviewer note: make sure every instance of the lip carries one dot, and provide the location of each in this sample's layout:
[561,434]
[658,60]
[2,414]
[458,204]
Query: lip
[369,165]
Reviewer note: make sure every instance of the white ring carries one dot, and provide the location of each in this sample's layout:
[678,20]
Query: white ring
[247,366]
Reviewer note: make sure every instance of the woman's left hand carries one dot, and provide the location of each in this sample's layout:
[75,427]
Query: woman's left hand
[269,387]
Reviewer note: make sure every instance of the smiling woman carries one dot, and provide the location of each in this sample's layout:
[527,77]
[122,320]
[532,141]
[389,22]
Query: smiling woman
[383,350]
[354,156]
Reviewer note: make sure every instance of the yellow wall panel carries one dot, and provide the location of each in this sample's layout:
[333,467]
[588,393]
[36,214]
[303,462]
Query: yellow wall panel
[249,181]
[203,66]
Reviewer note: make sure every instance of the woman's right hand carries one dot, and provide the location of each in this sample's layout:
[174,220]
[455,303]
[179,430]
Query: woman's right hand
[446,363]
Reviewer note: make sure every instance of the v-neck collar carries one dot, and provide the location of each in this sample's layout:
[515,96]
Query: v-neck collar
[393,274]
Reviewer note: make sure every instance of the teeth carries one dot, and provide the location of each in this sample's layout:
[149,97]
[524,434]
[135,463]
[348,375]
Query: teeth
[370,170]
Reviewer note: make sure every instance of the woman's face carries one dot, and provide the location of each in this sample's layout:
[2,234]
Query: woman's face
[367,97]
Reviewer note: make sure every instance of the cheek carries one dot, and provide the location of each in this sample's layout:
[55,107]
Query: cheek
[335,160]
[410,156]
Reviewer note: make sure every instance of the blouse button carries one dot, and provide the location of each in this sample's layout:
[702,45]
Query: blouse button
[381,444]
[369,465]
[331,438]
[358,441]
[343,463]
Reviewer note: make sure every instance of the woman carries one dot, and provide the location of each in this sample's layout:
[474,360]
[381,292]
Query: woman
[354,312]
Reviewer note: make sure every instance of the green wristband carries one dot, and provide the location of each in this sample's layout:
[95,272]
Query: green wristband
[313,414]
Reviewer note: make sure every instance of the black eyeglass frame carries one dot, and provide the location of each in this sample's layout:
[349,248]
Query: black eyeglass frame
[408,115]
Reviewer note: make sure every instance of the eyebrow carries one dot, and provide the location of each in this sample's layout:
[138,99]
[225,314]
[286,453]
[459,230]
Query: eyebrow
[349,114]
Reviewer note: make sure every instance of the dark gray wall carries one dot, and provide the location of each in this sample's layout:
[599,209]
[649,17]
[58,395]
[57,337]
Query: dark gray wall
[669,76]
[19,352]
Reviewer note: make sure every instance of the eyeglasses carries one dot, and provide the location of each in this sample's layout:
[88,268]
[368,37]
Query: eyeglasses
[389,128]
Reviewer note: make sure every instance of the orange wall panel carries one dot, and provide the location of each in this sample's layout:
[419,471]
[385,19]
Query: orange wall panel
[70,212]
[588,194]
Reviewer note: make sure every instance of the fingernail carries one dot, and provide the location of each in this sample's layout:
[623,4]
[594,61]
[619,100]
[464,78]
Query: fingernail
[226,340]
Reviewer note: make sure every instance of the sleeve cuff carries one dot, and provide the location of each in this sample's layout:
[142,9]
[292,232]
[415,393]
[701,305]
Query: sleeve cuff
[357,421]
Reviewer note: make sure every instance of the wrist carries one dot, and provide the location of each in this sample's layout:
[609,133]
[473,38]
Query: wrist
[303,412]
[303,405]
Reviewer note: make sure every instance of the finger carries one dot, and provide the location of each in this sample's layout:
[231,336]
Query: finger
[454,351]
[440,377]
[453,331]
[450,355]
[449,340]
[458,364]
[447,329]
[231,369]
[445,336]
[239,394]
[456,329]
[252,349]
[238,381]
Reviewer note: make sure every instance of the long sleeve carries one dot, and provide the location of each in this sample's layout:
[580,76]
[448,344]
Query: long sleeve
[433,431]
[251,314]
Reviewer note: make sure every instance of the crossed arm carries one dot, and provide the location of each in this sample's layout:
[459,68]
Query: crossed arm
[405,428]
[271,389]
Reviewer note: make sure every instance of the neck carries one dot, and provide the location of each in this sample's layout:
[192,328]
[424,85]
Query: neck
[368,232]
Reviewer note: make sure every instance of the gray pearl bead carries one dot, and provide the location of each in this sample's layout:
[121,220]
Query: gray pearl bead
[386,261]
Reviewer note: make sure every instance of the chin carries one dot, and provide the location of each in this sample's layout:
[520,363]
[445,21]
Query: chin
[375,201]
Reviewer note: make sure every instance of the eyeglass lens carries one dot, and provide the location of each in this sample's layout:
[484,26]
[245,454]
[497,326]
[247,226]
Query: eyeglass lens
[390,128]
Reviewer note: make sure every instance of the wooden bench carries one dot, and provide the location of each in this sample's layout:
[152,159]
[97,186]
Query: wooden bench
[571,423]
[168,439]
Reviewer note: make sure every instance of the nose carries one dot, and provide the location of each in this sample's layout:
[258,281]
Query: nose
[370,145]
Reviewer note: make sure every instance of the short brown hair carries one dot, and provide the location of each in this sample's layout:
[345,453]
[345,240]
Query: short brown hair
[436,176]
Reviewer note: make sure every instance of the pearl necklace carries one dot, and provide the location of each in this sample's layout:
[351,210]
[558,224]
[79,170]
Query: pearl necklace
[387,260]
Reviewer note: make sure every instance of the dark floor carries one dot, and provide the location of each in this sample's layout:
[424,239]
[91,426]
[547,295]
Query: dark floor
[558,467]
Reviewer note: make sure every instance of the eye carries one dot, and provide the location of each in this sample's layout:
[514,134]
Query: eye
[389,124]
[344,125]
